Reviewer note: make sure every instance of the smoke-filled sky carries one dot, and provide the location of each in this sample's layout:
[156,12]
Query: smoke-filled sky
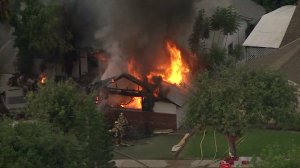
[132,28]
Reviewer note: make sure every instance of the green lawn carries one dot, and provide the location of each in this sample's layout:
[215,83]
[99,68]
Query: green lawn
[156,147]
[254,142]
[159,146]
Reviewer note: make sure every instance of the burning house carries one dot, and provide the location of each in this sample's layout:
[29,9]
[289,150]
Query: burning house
[155,99]
[145,67]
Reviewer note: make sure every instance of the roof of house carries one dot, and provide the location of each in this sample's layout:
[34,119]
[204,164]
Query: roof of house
[170,92]
[271,29]
[246,8]
[285,59]
[293,32]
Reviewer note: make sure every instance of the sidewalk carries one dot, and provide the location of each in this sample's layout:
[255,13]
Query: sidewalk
[167,164]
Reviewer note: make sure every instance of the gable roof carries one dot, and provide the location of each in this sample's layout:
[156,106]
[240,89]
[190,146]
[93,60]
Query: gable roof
[293,32]
[246,8]
[271,29]
[285,59]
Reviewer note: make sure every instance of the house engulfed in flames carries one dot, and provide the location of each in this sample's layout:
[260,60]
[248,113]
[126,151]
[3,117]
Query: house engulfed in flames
[156,100]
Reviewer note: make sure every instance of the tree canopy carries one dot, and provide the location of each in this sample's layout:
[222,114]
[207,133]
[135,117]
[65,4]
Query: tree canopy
[224,20]
[64,127]
[34,144]
[232,99]
[39,31]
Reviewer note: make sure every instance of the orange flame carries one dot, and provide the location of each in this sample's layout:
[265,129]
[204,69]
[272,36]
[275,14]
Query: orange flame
[135,103]
[132,69]
[175,72]
[42,78]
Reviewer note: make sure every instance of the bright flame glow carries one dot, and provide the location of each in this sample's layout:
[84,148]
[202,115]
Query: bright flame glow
[131,68]
[175,72]
[42,78]
[135,103]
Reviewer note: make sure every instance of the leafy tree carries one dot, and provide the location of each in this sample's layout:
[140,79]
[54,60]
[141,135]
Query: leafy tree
[231,23]
[200,32]
[231,99]
[56,104]
[39,31]
[217,19]
[91,128]
[70,110]
[225,19]
[271,5]
[216,56]
[35,144]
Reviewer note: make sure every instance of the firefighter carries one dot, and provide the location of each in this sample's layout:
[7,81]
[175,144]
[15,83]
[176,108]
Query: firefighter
[117,133]
[123,122]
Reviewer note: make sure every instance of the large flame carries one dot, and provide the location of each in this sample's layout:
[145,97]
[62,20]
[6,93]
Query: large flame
[135,103]
[175,71]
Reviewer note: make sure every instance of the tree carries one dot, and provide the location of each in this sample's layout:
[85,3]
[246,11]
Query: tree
[231,23]
[225,19]
[200,31]
[217,20]
[56,103]
[216,56]
[33,144]
[231,99]
[39,31]
[72,111]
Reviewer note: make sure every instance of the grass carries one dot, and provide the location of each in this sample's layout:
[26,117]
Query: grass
[255,140]
[159,146]
[156,147]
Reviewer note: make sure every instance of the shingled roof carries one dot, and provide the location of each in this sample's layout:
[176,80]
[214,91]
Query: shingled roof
[285,59]
[293,32]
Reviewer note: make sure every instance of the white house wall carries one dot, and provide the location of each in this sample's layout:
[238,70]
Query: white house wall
[235,39]
[180,117]
[166,108]
[169,108]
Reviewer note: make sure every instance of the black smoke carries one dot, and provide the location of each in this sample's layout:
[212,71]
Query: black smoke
[137,28]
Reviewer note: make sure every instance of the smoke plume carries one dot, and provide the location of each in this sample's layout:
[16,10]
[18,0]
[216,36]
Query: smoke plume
[140,28]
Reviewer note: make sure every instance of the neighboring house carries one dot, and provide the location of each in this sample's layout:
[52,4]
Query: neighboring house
[250,13]
[274,30]
[285,59]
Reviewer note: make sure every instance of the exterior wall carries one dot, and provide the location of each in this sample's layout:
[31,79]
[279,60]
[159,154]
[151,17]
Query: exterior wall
[145,120]
[223,41]
[180,117]
[166,108]
[256,52]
